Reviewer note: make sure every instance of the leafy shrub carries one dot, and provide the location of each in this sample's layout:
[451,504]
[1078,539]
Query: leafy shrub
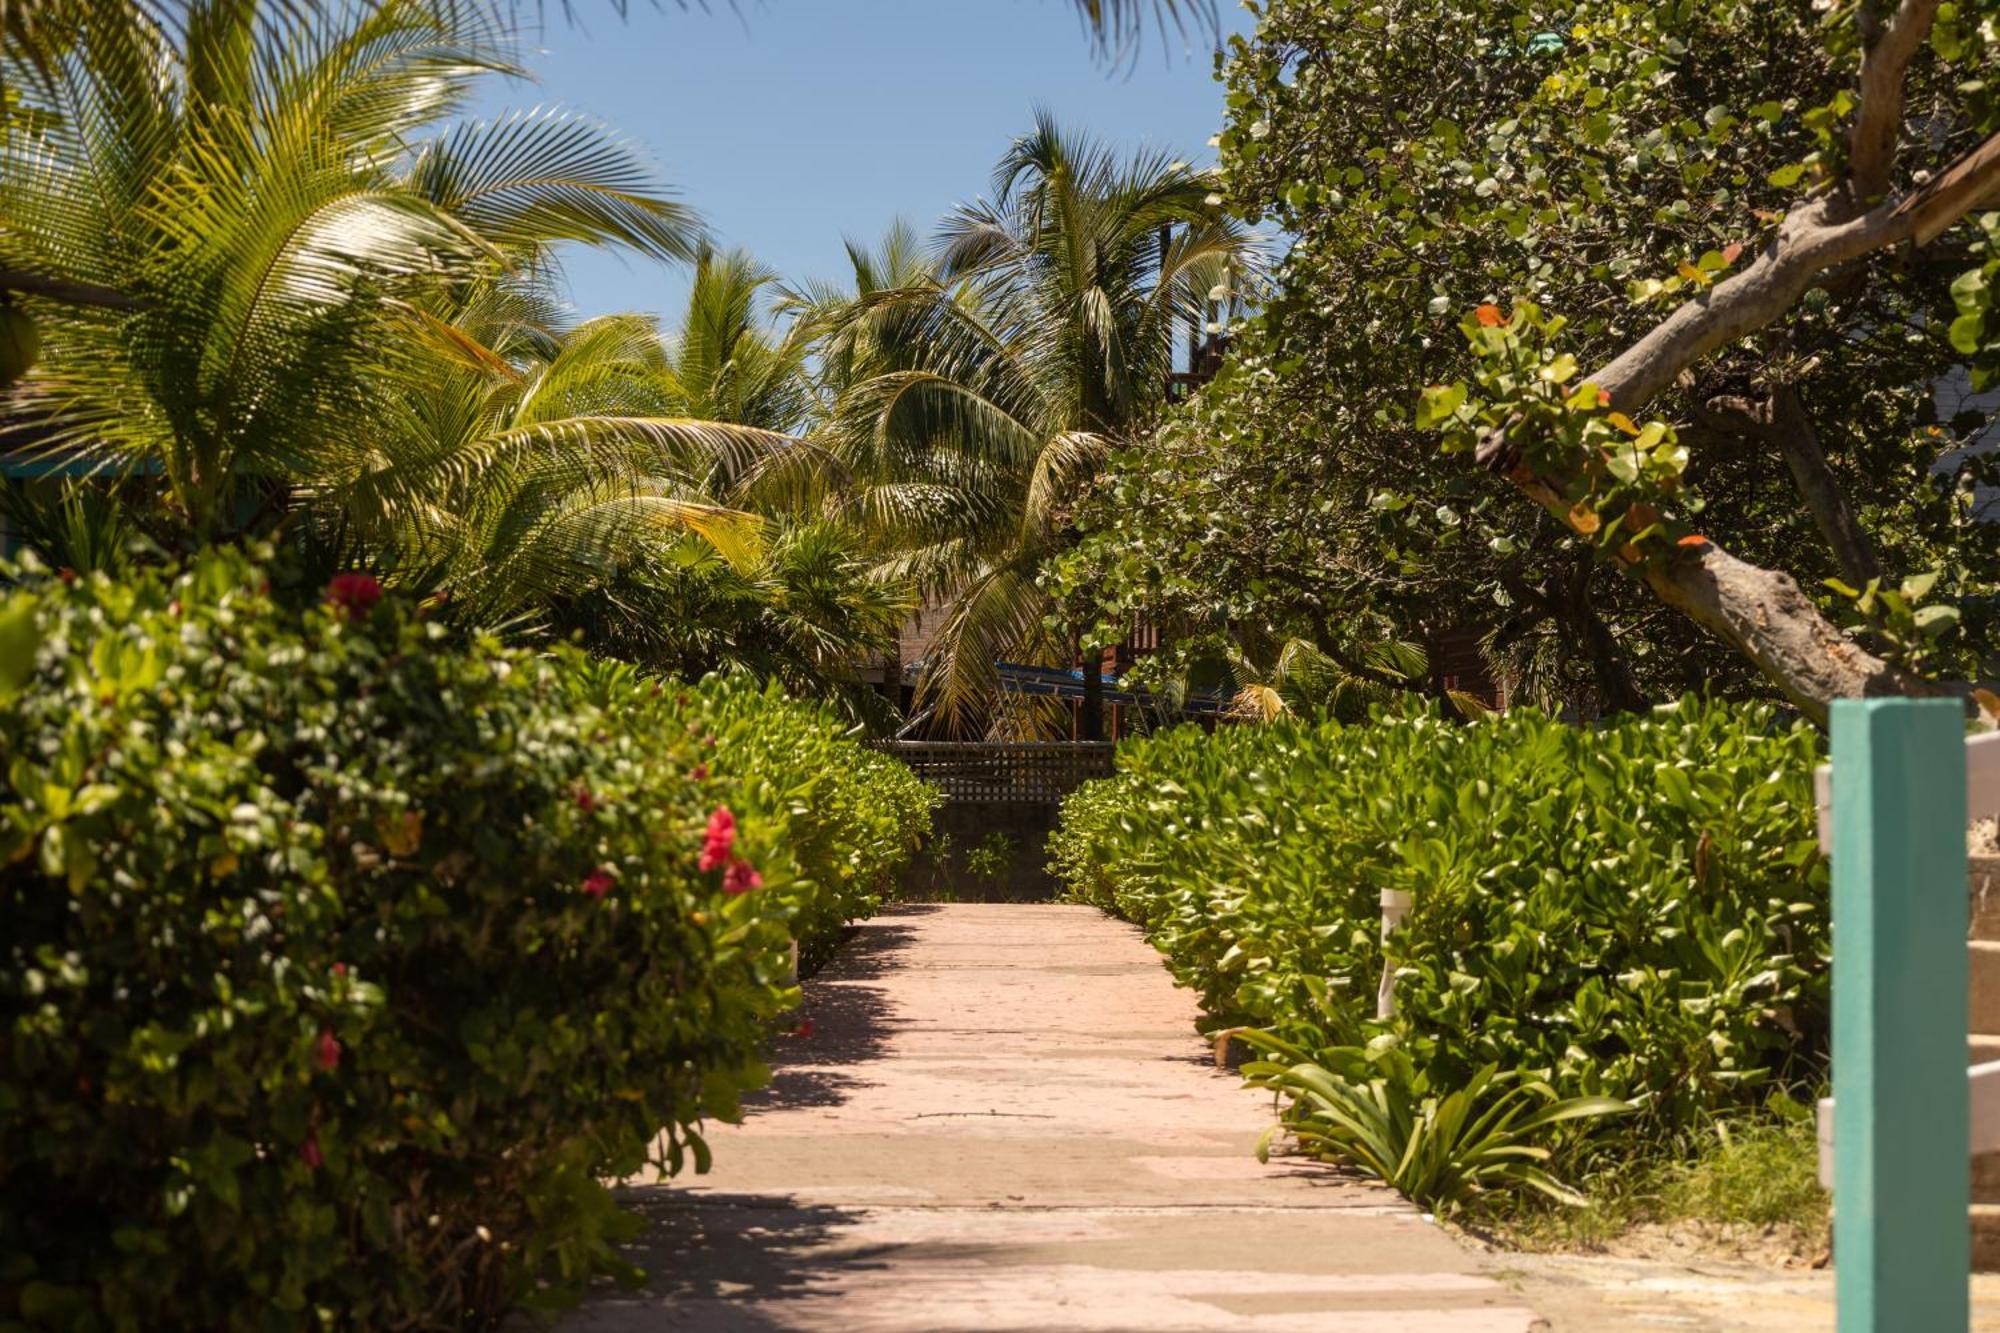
[991,858]
[850,817]
[342,960]
[1635,912]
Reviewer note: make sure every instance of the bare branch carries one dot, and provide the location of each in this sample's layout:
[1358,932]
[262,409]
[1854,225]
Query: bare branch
[1961,187]
[1782,422]
[1879,122]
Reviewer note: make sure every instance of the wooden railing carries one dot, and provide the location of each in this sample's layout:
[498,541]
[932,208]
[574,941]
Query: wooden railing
[1041,772]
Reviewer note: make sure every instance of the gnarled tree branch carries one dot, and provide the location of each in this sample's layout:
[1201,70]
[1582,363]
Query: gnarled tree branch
[1812,239]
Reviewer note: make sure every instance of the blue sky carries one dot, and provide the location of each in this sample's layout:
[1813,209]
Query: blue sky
[789,123]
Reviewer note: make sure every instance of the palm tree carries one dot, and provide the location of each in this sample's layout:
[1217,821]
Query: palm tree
[283,211]
[723,363]
[803,604]
[987,389]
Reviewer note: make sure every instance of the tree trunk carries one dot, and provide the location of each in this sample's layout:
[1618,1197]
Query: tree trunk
[1093,695]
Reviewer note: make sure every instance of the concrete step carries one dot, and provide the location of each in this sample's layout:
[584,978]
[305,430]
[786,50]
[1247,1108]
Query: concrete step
[1983,963]
[1986,1237]
[1986,1178]
[1983,881]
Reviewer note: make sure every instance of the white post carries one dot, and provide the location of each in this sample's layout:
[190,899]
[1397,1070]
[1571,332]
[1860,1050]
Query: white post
[1396,905]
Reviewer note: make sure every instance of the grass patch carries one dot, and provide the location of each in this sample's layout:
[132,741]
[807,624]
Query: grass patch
[1748,1186]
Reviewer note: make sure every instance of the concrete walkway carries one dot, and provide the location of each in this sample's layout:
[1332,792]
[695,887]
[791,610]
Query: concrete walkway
[1002,1119]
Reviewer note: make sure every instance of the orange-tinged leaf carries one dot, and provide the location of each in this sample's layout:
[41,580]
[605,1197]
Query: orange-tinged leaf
[1641,516]
[1691,273]
[1604,397]
[1583,518]
[1692,539]
[1732,252]
[1489,315]
[1623,422]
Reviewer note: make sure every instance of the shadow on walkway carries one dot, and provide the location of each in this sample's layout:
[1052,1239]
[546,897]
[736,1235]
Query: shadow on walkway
[842,1022]
[740,1250]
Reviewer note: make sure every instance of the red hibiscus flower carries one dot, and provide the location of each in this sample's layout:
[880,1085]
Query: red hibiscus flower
[720,838]
[328,1050]
[598,882]
[353,593]
[741,877]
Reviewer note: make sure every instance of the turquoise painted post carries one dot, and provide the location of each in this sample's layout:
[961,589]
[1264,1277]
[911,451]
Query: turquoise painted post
[1902,1242]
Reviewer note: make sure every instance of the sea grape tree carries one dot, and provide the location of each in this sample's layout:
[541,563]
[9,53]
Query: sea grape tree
[1703,282]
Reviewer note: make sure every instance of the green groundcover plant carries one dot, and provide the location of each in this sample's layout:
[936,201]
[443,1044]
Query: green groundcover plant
[1634,914]
[343,958]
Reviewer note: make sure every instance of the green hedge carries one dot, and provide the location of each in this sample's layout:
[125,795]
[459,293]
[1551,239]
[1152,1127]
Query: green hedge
[340,960]
[1638,911]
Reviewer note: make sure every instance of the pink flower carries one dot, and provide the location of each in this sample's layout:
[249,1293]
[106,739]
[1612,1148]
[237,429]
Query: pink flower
[309,1150]
[741,877]
[328,1050]
[353,593]
[598,882]
[699,772]
[340,969]
[721,837]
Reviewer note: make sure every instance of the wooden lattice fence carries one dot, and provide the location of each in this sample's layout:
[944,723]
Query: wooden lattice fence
[1039,773]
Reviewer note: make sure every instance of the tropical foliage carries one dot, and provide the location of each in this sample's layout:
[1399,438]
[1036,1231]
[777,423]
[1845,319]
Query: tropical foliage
[1636,912]
[979,394]
[332,325]
[1437,164]
[346,960]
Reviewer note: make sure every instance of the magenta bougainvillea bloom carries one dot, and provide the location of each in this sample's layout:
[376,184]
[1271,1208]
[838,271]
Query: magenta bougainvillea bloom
[328,1050]
[355,594]
[309,1150]
[720,839]
[741,877]
[598,882]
